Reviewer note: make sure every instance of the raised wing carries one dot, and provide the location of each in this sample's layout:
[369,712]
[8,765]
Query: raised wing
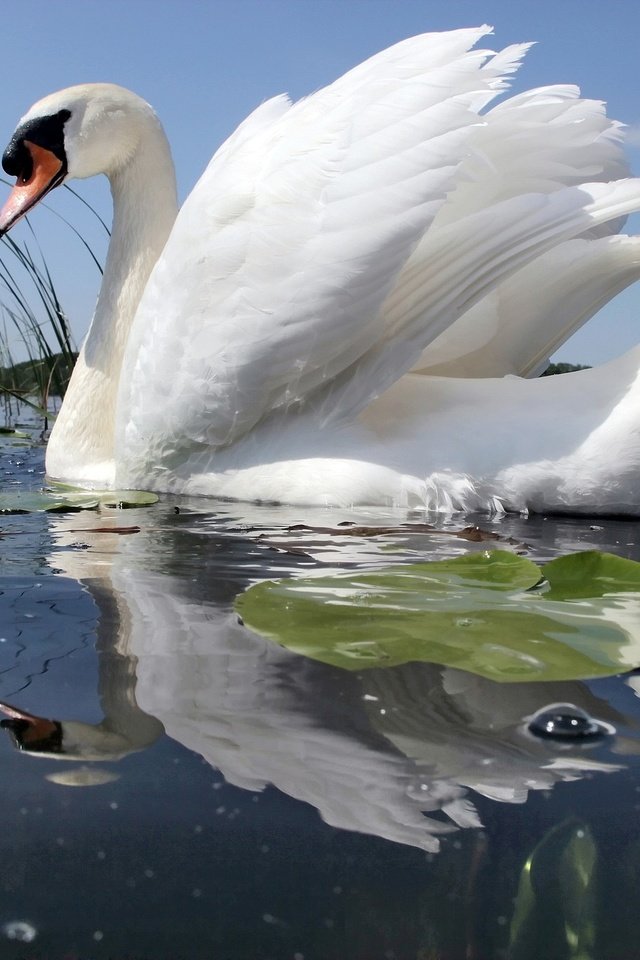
[272,280]
[518,326]
[540,140]
[303,270]
[536,142]
[467,259]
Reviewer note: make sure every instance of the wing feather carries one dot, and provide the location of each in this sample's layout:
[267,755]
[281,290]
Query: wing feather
[541,140]
[522,322]
[465,261]
[308,266]
[273,277]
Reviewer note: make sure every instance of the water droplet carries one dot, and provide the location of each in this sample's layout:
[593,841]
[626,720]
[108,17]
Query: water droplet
[565,721]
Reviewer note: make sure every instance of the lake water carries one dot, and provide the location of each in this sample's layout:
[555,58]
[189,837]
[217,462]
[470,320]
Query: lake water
[211,796]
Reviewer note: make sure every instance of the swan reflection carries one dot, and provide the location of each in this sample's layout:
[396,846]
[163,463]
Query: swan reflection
[397,753]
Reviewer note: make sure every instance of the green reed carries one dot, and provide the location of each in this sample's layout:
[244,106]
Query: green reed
[33,316]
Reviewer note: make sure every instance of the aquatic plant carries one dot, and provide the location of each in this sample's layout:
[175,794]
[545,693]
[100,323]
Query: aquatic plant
[493,613]
[34,317]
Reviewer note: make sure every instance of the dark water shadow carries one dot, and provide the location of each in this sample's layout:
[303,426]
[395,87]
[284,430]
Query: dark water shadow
[210,794]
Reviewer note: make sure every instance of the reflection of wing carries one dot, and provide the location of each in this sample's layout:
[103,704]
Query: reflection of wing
[470,731]
[263,716]
[373,753]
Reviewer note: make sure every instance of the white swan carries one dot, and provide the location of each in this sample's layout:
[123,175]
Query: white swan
[279,340]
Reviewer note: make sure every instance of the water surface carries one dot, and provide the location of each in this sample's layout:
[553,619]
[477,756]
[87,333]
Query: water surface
[212,795]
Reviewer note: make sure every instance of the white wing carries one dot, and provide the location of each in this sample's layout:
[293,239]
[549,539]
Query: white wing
[468,259]
[522,322]
[289,274]
[272,280]
[537,141]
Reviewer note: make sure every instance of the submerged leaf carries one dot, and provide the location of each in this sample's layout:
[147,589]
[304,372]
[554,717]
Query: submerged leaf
[556,896]
[479,612]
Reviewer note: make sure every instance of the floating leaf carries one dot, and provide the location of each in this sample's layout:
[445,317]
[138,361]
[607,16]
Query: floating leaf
[63,499]
[121,531]
[484,612]
[591,574]
[72,506]
[127,499]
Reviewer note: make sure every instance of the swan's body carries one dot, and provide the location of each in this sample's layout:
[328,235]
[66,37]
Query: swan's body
[262,347]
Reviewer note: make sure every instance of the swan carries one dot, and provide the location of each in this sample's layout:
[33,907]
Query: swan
[344,308]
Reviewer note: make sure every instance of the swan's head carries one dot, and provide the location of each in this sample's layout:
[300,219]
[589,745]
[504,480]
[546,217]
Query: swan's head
[32,733]
[75,133]
[75,740]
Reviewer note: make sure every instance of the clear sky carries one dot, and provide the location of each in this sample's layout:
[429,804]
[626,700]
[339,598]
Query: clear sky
[205,64]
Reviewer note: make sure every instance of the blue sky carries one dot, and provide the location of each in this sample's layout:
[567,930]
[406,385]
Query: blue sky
[205,64]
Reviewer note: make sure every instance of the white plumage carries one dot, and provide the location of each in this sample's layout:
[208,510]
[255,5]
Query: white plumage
[389,223]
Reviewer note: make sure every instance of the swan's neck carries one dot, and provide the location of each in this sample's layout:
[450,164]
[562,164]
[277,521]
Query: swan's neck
[81,448]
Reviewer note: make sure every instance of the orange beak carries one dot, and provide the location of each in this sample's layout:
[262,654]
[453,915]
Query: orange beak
[27,728]
[47,173]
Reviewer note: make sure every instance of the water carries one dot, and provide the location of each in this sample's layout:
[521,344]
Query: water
[220,797]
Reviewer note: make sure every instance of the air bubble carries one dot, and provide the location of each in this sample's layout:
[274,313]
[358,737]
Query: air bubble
[565,721]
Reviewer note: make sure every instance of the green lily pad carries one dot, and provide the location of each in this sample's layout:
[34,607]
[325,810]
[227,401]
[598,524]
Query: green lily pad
[128,499]
[64,499]
[491,613]
[591,574]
